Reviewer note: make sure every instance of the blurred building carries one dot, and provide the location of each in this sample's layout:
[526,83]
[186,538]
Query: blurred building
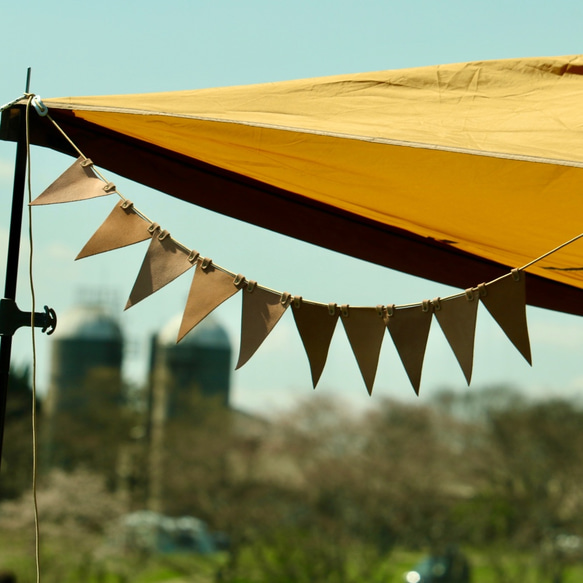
[200,362]
[199,366]
[83,406]
[87,340]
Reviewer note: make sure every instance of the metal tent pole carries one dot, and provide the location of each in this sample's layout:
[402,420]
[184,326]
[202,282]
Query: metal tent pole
[11,318]
[12,259]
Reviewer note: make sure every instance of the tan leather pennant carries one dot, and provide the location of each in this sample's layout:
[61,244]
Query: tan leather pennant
[365,328]
[457,319]
[79,182]
[316,324]
[409,329]
[209,289]
[262,310]
[164,262]
[505,299]
[122,227]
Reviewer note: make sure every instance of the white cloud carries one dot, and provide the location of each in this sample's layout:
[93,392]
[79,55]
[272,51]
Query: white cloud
[566,335]
[281,337]
[3,247]
[6,171]
[59,251]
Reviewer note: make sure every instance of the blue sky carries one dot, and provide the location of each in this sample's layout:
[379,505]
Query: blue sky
[131,47]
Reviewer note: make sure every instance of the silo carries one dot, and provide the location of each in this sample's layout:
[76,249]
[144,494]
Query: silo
[82,414]
[87,341]
[201,361]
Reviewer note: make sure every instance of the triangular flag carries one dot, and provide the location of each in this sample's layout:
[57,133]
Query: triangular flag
[122,227]
[209,289]
[79,182]
[163,263]
[505,299]
[409,329]
[316,324]
[457,319]
[262,310]
[365,328]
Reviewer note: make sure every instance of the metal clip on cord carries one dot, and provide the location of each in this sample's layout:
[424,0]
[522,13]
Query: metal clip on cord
[40,107]
[11,318]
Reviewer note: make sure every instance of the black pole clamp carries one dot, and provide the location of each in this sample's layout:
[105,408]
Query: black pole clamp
[11,318]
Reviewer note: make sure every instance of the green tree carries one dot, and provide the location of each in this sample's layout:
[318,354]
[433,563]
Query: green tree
[526,462]
[16,474]
[90,431]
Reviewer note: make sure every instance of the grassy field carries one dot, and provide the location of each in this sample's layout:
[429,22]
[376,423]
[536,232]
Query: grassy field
[65,562]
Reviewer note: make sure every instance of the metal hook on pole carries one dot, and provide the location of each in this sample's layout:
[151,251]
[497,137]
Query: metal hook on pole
[12,318]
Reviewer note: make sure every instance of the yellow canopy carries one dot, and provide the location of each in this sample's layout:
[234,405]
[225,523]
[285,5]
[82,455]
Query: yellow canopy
[455,172]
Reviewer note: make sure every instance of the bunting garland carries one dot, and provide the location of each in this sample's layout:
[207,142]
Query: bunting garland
[262,308]
[457,319]
[79,182]
[409,329]
[163,263]
[365,329]
[122,227]
[505,299]
[316,324]
[209,289]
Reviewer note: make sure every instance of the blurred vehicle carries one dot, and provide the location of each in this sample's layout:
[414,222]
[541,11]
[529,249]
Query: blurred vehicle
[450,567]
[152,532]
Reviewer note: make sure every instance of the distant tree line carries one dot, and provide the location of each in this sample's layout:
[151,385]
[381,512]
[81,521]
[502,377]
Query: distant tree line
[321,494]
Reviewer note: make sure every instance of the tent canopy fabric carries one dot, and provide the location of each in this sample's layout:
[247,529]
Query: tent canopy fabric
[456,173]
